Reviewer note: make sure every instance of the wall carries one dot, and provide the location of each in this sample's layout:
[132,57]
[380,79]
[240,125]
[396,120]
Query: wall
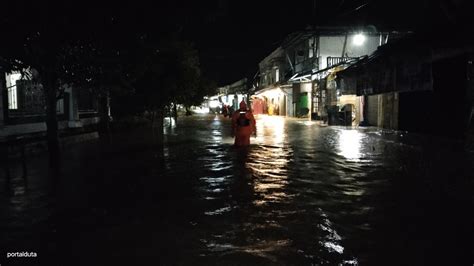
[289,101]
[268,66]
[306,86]
[355,101]
[28,128]
[445,110]
[372,110]
[383,110]
[333,45]
[389,107]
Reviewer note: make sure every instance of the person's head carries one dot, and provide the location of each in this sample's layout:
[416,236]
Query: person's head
[243,105]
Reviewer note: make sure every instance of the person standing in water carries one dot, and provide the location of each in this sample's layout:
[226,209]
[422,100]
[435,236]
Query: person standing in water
[243,125]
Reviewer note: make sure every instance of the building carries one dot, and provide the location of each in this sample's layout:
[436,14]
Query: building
[22,106]
[232,94]
[418,83]
[272,93]
[297,79]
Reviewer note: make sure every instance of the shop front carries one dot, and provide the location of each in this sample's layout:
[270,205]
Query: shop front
[270,101]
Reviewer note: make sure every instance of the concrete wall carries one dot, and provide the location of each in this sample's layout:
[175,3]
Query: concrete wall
[306,87]
[354,100]
[289,101]
[28,128]
[389,114]
[269,65]
[31,128]
[383,110]
[333,46]
[372,110]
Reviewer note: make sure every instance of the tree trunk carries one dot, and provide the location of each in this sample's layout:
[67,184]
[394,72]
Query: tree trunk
[104,123]
[52,135]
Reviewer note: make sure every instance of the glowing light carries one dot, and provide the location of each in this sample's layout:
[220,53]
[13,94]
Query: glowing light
[359,39]
[349,144]
[272,94]
[201,110]
[214,103]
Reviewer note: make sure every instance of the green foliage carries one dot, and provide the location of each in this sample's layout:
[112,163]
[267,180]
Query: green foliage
[205,88]
[170,73]
[149,69]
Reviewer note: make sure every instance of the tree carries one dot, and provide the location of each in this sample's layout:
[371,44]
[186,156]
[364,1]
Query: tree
[106,70]
[63,50]
[105,53]
[205,88]
[188,75]
[168,72]
[39,41]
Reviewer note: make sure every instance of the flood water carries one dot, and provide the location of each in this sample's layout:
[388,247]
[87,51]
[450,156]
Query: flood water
[301,194]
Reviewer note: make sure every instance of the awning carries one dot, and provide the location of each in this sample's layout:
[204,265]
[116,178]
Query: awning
[311,75]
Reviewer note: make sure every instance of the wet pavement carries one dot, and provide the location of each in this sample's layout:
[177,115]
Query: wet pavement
[301,194]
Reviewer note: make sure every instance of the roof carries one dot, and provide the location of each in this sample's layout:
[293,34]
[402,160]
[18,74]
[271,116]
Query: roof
[296,36]
[417,49]
[322,71]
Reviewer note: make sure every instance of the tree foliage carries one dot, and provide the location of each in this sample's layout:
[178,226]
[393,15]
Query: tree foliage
[113,50]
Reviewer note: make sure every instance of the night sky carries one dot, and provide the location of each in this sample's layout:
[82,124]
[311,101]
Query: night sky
[233,36]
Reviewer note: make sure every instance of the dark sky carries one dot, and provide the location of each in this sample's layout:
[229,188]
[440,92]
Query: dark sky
[233,36]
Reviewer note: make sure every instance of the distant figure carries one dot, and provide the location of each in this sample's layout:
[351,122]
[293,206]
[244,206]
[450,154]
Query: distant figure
[243,125]
[225,110]
[231,111]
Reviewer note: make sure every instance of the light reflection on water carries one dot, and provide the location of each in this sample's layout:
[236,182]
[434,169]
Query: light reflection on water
[267,200]
[271,130]
[299,195]
[268,161]
[350,144]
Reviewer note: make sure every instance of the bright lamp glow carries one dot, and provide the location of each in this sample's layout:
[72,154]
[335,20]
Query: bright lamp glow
[213,103]
[359,39]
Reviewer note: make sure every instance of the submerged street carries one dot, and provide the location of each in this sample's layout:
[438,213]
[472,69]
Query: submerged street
[237,133]
[301,194]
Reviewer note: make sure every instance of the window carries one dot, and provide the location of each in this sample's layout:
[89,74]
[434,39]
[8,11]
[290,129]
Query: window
[12,90]
[277,75]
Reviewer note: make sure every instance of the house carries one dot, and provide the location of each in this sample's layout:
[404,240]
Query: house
[295,78]
[420,83]
[272,95]
[230,95]
[22,106]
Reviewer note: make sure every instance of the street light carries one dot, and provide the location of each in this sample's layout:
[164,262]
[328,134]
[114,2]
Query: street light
[359,39]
